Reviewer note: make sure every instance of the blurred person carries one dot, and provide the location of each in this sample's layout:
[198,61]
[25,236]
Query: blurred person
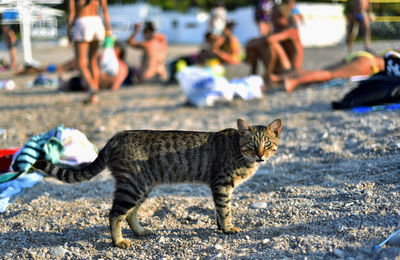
[225,47]
[280,51]
[217,21]
[359,63]
[358,12]
[262,16]
[11,42]
[106,81]
[154,47]
[86,30]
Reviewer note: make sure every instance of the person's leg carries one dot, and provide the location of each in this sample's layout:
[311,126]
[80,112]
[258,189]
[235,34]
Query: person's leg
[298,58]
[350,32]
[358,66]
[291,83]
[83,64]
[93,63]
[13,57]
[366,30]
[251,56]
[264,27]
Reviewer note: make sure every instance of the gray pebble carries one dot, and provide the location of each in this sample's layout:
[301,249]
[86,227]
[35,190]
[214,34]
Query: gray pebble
[58,251]
[259,205]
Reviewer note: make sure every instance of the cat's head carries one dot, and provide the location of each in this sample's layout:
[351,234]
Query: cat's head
[257,143]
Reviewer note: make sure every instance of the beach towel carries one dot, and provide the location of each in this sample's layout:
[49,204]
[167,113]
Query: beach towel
[45,145]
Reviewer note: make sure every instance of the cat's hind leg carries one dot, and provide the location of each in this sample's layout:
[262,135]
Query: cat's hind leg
[134,223]
[127,198]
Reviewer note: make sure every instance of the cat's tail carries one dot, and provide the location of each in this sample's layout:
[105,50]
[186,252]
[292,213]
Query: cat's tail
[73,174]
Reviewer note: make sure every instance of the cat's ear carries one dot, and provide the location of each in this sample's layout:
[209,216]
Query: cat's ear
[275,127]
[243,127]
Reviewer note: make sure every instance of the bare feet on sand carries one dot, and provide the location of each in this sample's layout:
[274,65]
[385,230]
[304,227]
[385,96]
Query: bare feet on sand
[289,84]
[92,99]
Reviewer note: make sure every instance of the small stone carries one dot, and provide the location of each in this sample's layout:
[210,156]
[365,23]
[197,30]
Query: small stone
[265,241]
[58,252]
[161,240]
[259,205]
[218,247]
[338,253]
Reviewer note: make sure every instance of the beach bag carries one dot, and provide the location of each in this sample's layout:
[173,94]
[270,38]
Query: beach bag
[202,88]
[392,63]
[109,60]
[378,89]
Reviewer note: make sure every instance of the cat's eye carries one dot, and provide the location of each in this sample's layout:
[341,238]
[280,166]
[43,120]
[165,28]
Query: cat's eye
[267,144]
[252,144]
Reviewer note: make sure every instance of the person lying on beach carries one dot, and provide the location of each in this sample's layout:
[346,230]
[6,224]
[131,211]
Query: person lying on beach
[154,47]
[279,51]
[359,63]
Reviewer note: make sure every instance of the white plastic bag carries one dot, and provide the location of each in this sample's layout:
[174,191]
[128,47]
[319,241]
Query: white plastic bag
[77,148]
[109,60]
[248,87]
[201,87]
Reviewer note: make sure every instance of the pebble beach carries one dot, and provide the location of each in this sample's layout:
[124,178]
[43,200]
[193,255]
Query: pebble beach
[332,191]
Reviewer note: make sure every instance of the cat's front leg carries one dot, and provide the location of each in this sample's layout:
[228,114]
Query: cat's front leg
[222,200]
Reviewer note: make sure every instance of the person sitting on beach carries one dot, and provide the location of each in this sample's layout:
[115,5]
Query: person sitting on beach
[281,50]
[11,41]
[359,63]
[226,47]
[358,12]
[154,48]
[106,81]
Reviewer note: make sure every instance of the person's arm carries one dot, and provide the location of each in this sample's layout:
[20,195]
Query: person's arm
[106,16]
[132,39]
[71,17]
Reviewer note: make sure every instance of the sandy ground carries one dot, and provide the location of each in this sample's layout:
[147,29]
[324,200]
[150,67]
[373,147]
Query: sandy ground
[331,191]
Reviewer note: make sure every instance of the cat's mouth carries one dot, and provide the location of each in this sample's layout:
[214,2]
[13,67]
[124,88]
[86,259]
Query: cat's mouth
[260,160]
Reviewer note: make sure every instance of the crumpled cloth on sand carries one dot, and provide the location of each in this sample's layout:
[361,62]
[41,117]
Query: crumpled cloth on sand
[13,187]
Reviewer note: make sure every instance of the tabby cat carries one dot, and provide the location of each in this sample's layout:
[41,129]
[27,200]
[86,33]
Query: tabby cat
[141,159]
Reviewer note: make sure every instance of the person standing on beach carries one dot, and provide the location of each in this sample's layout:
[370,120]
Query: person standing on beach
[358,12]
[154,46]
[86,31]
[11,41]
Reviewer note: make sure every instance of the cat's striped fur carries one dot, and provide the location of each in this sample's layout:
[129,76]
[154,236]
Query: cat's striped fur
[140,160]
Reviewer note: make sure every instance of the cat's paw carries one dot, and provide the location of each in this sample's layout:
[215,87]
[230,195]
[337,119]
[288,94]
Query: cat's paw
[124,244]
[143,232]
[231,230]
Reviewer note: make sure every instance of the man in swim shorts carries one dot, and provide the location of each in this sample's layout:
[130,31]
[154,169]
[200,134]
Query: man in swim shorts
[358,12]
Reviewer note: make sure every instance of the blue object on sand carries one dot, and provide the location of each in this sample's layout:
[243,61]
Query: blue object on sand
[365,109]
[52,68]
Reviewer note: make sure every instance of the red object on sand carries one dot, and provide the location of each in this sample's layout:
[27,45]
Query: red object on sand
[6,158]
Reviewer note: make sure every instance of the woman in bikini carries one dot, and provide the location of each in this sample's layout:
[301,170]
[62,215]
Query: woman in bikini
[355,64]
[86,31]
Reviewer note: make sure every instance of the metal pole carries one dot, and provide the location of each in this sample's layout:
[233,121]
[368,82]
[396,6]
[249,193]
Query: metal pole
[25,25]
